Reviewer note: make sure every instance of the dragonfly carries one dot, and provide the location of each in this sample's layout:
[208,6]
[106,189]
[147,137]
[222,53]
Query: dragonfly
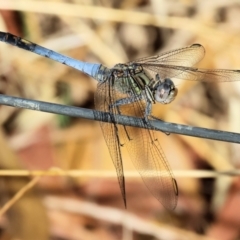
[131,89]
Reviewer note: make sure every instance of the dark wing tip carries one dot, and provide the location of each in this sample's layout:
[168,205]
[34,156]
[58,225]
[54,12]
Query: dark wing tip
[175,186]
[125,202]
[196,45]
[171,203]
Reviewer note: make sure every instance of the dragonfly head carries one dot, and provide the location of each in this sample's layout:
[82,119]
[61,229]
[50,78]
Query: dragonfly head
[165,91]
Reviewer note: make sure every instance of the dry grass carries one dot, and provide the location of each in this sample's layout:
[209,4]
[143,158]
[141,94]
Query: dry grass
[70,155]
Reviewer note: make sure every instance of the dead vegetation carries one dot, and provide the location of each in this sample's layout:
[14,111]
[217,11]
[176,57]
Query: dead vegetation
[81,197]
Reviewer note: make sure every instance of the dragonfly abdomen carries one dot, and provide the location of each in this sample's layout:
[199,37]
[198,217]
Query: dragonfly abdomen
[90,69]
[103,74]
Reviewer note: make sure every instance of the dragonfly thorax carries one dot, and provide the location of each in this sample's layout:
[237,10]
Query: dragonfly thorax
[130,78]
[164,91]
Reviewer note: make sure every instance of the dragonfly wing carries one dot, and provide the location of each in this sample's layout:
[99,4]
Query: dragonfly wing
[104,97]
[188,57]
[148,157]
[144,150]
[193,74]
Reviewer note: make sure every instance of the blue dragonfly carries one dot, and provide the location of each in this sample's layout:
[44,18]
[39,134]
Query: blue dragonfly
[131,89]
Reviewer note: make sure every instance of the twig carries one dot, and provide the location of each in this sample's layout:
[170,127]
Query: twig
[112,174]
[18,195]
[121,119]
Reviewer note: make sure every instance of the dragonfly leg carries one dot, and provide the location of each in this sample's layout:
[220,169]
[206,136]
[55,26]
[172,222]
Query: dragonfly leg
[158,77]
[116,129]
[148,111]
[127,100]
[119,112]
[122,102]
[148,116]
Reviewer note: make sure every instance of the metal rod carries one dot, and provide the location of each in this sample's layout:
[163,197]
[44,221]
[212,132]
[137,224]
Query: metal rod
[157,125]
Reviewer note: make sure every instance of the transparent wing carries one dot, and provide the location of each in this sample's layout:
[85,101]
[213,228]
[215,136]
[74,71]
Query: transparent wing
[178,63]
[144,150]
[188,57]
[102,102]
[193,74]
[148,158]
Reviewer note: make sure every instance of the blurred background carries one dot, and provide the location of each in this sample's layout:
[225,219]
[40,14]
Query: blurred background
[57,178]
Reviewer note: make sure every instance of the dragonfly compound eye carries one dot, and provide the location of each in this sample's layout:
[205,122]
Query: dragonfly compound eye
[165,92]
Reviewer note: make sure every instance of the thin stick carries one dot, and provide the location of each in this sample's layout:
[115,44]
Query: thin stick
[121,119]
[112,174]
[18,195]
